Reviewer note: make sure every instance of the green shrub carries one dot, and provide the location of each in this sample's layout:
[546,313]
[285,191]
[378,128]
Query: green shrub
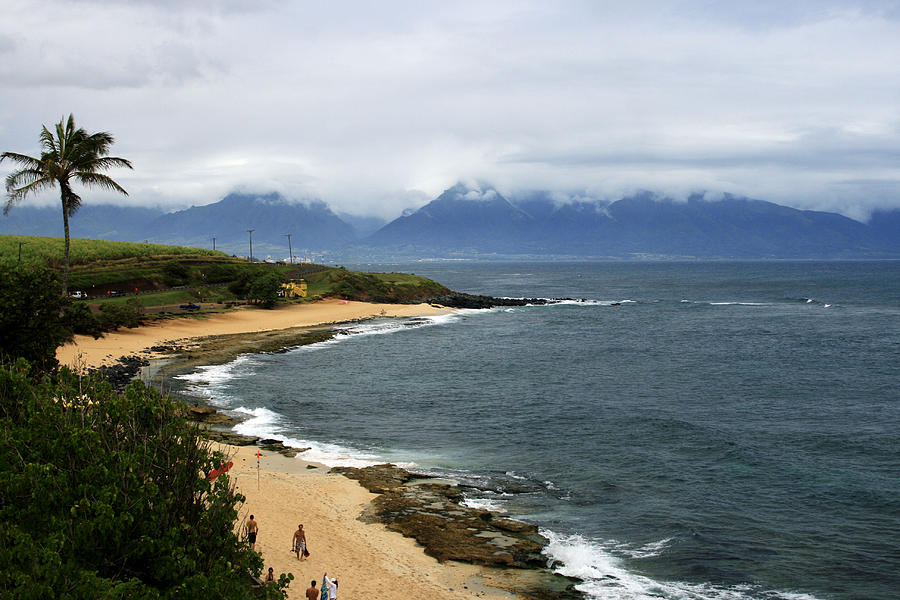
[104,495]
[175,273]
[126,314]
[81,320]
[263,289]
[31,305]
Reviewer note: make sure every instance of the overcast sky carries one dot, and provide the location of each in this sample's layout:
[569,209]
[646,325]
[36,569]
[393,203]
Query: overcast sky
[376,107]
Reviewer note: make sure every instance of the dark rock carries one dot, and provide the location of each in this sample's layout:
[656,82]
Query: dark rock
[460,300]
[378,478]
[126,368]
[432,513]
[227,437]
[207,415]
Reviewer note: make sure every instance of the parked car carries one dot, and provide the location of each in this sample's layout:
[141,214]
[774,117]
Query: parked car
[78,295]
[190,306]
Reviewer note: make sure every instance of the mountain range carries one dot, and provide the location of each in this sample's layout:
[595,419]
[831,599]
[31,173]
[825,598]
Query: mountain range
[479,222]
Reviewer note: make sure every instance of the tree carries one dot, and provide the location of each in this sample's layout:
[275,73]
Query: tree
[263,289]
[68,156]
[32,316]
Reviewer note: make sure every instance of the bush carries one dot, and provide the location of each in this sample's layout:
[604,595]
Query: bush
[263,289]
[175,274]
[219,273]
[115,315]
[31,305]
[239,286]
[105,495]
[81,321]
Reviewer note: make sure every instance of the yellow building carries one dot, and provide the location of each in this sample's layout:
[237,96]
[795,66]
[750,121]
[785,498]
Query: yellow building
[296,288]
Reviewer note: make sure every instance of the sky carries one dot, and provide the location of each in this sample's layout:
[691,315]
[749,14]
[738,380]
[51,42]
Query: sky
[378,107]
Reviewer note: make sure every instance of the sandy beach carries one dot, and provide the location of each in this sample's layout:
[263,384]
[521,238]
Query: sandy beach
[87,352]
[370,562]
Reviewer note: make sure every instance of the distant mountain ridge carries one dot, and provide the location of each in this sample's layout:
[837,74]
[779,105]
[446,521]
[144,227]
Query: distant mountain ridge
[478,222]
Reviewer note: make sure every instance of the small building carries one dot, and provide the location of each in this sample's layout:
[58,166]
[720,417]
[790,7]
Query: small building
[295,288]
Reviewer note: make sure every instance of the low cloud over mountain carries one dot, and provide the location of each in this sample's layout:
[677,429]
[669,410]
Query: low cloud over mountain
[472,221]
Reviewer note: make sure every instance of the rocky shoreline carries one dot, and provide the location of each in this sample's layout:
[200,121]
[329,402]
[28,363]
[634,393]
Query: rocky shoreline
[459,300]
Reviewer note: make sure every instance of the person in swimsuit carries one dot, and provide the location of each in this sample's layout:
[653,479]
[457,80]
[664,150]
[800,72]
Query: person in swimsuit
[252,530]
[300,542]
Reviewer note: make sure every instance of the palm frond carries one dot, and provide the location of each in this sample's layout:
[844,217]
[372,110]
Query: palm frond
[106,162]
[99,180]
[18,193]
[23,160]
[24,177]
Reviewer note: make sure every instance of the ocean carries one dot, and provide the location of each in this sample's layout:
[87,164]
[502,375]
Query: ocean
[678,430]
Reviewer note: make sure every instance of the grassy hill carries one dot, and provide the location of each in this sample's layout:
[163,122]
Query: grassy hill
[157,274]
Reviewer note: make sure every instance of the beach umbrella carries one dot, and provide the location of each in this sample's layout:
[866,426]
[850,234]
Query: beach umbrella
[324,589]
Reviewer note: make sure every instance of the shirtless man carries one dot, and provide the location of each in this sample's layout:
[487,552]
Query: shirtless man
[252,530]
[311,592]
[300,542]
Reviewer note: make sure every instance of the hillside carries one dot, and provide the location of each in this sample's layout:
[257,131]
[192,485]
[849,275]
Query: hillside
[156,274]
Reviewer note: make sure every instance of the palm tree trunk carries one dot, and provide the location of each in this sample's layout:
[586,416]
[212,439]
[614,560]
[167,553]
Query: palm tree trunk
[65,286]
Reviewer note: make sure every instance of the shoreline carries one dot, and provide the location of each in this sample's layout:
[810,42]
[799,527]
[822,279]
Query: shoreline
[158,339]
[321,498]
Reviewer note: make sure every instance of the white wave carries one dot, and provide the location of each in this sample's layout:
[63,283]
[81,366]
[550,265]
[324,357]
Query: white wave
[725,303]
[738,303]
[207,381]
[379,326]
[214,374]
[262,422]
[483,504]
[605,577]
[591,302]
[335,455]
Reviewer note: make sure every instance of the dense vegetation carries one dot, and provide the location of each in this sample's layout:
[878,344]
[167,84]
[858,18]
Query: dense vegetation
[33,317]
[106,495]
[172,274]
[103,494]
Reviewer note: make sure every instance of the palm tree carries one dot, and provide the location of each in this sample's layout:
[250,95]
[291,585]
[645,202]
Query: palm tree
[72,154]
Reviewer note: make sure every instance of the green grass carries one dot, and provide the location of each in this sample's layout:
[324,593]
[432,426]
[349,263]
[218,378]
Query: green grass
[49,251]
[201,275]
[208,295]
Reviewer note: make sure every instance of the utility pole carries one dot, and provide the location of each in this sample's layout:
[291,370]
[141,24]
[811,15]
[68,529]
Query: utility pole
[250,231]
[290,249]
[214,243]
[20,251]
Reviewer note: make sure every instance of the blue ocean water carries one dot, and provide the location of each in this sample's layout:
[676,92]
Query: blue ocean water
[688,431]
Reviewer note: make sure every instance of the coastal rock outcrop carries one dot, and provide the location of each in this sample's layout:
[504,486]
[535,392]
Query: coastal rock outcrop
[120,374]
[433,514]
[460,300]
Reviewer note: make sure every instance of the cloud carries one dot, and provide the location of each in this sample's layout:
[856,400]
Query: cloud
[374,108]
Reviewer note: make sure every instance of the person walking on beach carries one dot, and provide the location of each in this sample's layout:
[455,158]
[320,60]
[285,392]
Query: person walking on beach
[311,592]
[332,585]
[300,543]
[252,530]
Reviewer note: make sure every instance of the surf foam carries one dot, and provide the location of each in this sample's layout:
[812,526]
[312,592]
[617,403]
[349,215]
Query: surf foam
[605,576]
